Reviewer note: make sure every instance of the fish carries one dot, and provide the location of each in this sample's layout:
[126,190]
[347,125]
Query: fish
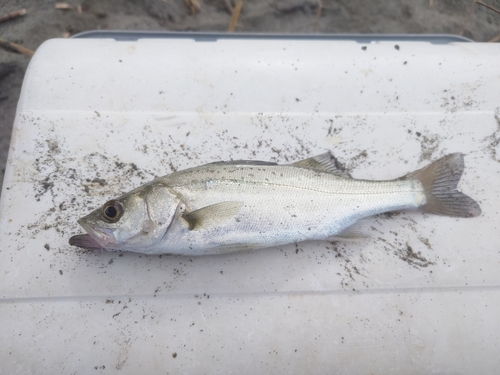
[225,207]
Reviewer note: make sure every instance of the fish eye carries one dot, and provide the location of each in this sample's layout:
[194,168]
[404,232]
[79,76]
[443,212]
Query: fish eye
[112,211]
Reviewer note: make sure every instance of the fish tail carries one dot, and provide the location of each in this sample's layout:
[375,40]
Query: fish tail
[440,180]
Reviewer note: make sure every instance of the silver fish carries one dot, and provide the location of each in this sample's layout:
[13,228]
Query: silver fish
[229,206]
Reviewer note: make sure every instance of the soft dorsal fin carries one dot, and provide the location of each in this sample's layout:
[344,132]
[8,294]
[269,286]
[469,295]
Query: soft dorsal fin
[212,215]
[324,163]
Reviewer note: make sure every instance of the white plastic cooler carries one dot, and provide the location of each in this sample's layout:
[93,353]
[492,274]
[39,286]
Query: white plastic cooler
[98,117]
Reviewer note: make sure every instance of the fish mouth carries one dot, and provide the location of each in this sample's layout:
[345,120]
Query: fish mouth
[85,241]
[93,240]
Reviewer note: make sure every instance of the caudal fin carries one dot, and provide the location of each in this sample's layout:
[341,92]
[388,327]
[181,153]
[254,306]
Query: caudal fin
[440,180]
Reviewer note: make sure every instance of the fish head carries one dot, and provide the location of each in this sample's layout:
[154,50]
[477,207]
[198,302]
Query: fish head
[136,221]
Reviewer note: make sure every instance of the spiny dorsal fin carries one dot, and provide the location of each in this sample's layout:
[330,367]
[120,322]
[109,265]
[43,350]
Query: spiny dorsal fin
[212,215]
[324,163]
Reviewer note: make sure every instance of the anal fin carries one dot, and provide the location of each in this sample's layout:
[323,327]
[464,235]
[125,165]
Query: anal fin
[349,236]
[358,232]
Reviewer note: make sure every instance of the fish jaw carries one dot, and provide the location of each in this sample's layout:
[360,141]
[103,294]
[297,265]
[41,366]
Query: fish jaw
[95,239]
[85,241]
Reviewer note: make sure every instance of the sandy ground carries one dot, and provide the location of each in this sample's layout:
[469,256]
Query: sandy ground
[43,21]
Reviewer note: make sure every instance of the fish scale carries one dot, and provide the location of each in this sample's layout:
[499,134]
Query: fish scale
[293,211]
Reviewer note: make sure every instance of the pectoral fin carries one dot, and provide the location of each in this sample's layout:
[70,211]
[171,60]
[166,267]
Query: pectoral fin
[212,215]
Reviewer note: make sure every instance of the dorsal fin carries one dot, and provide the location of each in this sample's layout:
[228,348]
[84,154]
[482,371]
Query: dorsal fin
[324,163]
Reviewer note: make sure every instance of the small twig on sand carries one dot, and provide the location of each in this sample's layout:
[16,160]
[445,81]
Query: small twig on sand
[494,39]
[16,47]
[63,6]
[488,6]
[229,6]
[469,12]
[318,16]
[79,9]
[13,15]
[234,16]
[193,5]
[431,3]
